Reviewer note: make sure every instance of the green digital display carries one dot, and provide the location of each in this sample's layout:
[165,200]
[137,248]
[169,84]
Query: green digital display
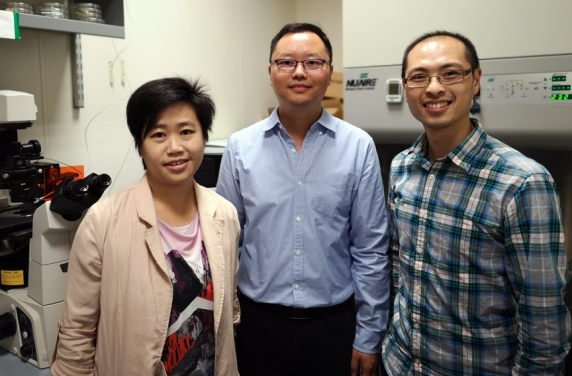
[561,97]
[560,87]
[559,78]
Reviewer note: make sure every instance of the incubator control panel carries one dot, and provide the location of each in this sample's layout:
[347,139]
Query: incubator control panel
[525,89]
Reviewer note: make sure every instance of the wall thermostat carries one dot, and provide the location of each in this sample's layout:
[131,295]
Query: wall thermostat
[394,90]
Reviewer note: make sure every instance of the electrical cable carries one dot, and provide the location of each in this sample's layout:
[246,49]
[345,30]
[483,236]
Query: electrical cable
[117,55]
[118,172]
[129,148]
[100,112]
[60,162]
[128,13]
[42,198]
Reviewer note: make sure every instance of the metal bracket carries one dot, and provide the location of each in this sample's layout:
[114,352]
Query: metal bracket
[77,71]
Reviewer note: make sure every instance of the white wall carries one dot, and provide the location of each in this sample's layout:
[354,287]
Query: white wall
[377,31]
[226,42]
[327,14]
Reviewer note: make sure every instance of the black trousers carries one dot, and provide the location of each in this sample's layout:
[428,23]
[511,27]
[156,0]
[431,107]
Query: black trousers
[272,344]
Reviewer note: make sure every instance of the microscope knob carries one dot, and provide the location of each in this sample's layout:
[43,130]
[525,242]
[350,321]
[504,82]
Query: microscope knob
[7,325]
[26,350]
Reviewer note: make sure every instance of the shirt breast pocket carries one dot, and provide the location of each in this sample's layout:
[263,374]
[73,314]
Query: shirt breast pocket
[404,215]
[333,194]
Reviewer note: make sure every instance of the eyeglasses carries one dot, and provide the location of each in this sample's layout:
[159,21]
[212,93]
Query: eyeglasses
[445,78]
[311,65]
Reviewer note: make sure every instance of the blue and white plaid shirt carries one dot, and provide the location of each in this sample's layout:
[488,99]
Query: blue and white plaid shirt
[479,269]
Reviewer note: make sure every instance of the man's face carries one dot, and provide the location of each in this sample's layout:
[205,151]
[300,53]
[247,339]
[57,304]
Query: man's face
[437,105]
[300,87]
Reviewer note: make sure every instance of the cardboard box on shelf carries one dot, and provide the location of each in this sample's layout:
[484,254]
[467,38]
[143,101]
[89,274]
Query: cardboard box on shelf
[335,106]
[331,102]
[336,88]
[336,111]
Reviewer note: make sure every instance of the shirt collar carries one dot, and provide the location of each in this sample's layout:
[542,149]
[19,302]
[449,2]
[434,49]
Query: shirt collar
[463,155]
[326,120]
[271,122]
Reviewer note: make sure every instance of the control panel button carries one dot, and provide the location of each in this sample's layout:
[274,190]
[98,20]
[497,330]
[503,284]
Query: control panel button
[26,350]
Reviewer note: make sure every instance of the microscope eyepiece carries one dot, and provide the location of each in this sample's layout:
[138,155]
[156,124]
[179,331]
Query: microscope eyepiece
[77,189]
[74,196]
[99,183]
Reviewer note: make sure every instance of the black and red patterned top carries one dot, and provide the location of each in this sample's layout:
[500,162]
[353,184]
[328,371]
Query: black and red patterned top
[190,344]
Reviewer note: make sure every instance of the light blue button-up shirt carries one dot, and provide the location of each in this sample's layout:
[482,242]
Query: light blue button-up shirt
[314,225]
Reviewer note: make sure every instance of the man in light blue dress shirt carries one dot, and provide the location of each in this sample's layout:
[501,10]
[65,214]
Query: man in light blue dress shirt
[309,195]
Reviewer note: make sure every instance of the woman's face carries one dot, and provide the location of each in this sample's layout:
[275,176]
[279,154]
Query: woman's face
[173,150]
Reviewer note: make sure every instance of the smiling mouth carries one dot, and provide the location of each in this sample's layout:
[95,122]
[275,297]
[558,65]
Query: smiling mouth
[176,163]
[437,105]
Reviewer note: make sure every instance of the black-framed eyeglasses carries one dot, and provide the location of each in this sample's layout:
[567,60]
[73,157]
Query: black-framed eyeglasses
[289,65]
[445,78]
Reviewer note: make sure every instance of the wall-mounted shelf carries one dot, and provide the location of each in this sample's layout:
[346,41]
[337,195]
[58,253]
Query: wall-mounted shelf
[113,15]
[114,27]
[32,21]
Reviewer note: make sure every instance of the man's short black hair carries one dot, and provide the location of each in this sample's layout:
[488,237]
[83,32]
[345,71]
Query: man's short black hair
[150,98]
[301,28]
[470,50]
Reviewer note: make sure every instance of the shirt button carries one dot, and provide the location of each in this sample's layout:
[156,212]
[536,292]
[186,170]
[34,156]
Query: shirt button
[321,133]
[417,361]
[298,253]
[417,288]
[419,250]
[423,213]
[298,218]
[299,182]
[293,151]
[432,177]
[297,287]
[416,325]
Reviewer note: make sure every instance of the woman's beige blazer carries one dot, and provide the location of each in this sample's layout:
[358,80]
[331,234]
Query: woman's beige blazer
[119,295]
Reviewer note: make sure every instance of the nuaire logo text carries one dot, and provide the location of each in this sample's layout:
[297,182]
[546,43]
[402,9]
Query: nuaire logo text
[362,83]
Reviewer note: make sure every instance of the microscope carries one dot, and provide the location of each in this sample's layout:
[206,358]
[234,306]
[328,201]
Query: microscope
[35,235]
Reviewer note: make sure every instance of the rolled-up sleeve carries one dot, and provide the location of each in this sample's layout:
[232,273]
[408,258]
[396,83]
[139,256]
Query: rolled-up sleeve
[536,267]
[370,265]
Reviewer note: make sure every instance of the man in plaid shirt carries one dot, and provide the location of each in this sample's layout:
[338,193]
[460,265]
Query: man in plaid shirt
[479,269]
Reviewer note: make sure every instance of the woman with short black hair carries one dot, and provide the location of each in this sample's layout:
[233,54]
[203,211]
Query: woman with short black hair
[152,275]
